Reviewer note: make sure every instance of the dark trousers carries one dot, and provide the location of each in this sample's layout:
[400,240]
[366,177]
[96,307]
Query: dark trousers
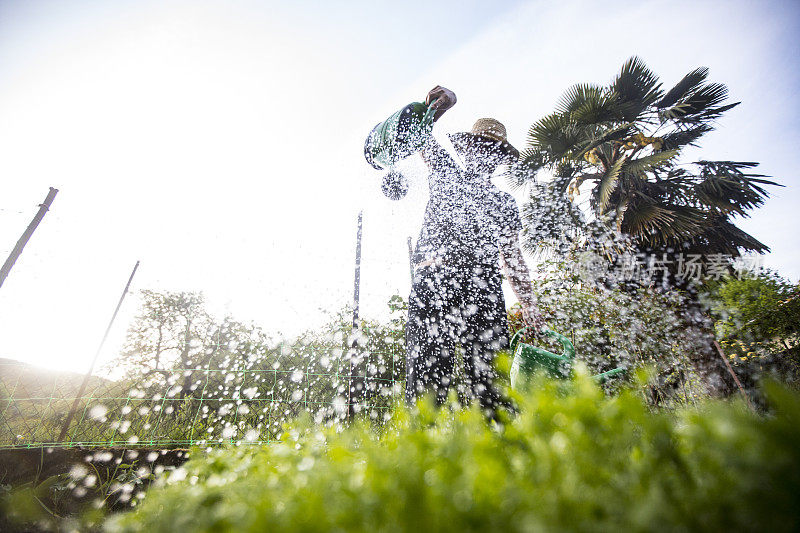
[455,305]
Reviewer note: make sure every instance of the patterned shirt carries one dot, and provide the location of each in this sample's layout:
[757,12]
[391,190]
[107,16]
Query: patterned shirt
[468,219]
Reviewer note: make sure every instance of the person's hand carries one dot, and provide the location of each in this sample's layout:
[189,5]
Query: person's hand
[532,317]
[442,99]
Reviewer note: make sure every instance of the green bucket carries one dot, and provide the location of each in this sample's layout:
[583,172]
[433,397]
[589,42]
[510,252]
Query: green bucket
[399,136]
[529,359]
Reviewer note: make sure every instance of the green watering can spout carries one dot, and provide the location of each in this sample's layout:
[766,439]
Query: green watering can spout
[529,359]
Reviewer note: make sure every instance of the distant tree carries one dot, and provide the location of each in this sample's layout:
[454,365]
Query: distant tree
[377,349]
[624,141]
[171,330]
[221,378]
[174,338]
[758,324]
[758,307]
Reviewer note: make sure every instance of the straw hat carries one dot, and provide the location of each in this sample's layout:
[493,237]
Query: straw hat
[486,129]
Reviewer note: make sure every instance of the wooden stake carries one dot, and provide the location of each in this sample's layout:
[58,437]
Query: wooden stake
[354,395]
[411,259]
[88,375]
[735,378]
[44,207]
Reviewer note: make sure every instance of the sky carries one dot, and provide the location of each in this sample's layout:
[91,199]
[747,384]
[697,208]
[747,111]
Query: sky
[221,143]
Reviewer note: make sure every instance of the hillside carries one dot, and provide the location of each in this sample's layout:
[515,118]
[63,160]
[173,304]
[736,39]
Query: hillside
[34,401]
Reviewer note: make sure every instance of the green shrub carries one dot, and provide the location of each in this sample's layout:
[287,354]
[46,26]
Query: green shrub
[573,459]
[614,324]
[758,326]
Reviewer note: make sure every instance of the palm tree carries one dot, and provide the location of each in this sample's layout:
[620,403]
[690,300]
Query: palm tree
[625,140]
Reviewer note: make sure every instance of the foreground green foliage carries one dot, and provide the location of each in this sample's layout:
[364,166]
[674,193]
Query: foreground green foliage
[571,460]
[72,489]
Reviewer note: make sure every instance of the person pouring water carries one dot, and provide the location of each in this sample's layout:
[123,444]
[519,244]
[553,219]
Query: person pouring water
[470,228]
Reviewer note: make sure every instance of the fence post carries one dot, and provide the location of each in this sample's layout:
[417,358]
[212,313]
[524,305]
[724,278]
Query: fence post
[354,394]
[88,375]
[411,259]
[44,207]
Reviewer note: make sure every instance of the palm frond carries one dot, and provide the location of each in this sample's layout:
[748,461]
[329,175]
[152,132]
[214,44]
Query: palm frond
[636,87]
[716,112]
[733,168]
[607,135]
[705,97]
[553,135]
[644,221]
[656,224]
[602,111]
[687,85]
[699,105]
[608,183]
[679,138]
[565,169]
[720,235]
[722,186]
[577,96]
[532,159]
[641,165]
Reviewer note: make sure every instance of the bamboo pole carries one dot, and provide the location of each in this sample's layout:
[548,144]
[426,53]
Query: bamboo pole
[44,207]
[88,375]
[353,384]
[411,259]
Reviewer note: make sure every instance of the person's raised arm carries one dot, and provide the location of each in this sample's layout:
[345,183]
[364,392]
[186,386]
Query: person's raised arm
[441,99]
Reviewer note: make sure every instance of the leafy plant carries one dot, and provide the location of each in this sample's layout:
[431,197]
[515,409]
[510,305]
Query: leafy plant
[758,326]
[615,328]
[76,489]
[574,459]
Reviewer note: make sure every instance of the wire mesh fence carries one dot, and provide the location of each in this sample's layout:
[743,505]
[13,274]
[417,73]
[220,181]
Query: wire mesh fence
[243,402]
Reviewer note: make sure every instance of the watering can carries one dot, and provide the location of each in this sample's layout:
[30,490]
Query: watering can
[529,359]
[399,136]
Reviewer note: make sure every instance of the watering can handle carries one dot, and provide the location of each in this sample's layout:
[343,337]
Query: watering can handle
[569,348]
[519,332]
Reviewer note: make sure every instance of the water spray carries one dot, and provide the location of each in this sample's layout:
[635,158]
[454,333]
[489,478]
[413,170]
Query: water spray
[403,134]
